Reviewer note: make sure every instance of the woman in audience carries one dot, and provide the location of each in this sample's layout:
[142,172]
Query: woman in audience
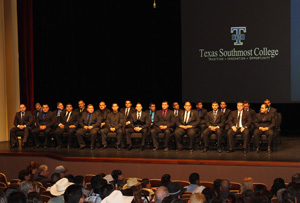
[277,185]
[247,184]
[165,180]
[33,167]
[34,197]
[24,175]
[118,179]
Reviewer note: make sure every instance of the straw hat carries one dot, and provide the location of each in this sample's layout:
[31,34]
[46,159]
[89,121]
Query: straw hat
[131,182]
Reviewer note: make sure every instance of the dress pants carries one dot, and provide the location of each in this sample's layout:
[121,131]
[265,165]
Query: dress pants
[59,134]
[231,134]
[207,132]
[104,133]
[36,131]
[129,131]
[257,133]
[179,132]
[13,135]
[154,133]
[81,132]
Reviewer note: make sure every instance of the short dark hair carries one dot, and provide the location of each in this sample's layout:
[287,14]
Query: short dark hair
[246,102]
[34,197]
[240,102]
[79,180]
[215,102]
[198,102]
[223,101]
[145,182]
[58,103]
[73,194]
[54,177]
[194,177]
[106,190]
[151,103]
[296,178]
[90,105]
[16,197]
[165,101]
[23,173]
[69,104]
[165,180]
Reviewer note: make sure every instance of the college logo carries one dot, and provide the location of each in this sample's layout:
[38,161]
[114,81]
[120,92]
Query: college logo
[238,36]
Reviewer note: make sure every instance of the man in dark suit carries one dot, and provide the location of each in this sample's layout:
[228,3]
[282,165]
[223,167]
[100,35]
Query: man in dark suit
[114,123]
[224,109]
[67,123]
[202,113]
[164,122]
[59,109]
[264,124]
[37,111]
[127,112]
[89,123]
[44,123]
[215,123]
[102,112]
[81,108]
[248,109]
[239,122]
[24,121]
[187,123]
[151,112]
[176,109]
[270,109]
[140,122]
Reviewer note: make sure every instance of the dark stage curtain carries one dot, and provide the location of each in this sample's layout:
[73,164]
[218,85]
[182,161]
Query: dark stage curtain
[26,63]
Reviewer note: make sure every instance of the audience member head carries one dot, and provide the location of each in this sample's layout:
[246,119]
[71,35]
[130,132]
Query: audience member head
[197,198]
[43,171]
[259,189]
[146,183]
[130,183]
[16,197]
[247,184]
[2,197]
[175,190]
[117,175]
[54,178]
[24,175]
[60,186]
[71,178]
[194,178]
[26,187]
[161,193]
[61,171]
[79,180]
[247,195]
[225,185]
[165,180]
[296,178]
[277,184]
[34,197]
[73,194]
[106,190]
[97,183]
[33,167]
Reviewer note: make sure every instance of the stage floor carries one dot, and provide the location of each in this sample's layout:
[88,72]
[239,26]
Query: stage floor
[288,151]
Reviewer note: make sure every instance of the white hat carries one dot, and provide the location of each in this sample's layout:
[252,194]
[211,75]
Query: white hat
[60,186]
[117,197]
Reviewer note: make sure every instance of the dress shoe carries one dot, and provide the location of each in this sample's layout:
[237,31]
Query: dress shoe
[104,146]
[191,149]
[37,146]
[81,146]
[204,150]
[166,149]
[257,151]
[142,148]
[179,149]
[118,147]
[13,145]
[220,150]
[23,145]
[129,148]
[245,151]
[269,150]
[155,149]
[92,147]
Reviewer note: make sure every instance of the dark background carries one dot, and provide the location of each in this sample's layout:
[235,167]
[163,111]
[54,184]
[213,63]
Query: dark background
[113,50]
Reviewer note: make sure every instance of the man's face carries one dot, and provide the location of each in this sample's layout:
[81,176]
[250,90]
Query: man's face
[215,106]
[199,106]
[187,106]
[267,102]
[38,107]
[152,107]
[128,104]
[139,107]
[240,106]
[90,109]
[246,106]
[176,106]
[60,106]
[223,105]
[81,104]
[164,106]
[45,108]
[22,108]
[46,172]
[263,109]
[115,107]
[102,106]
[69,108]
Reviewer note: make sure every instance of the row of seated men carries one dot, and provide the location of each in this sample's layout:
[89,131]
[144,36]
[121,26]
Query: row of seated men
[224,123]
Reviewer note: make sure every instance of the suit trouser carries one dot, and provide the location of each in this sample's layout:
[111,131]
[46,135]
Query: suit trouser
[179,132]
[59,134]
[36,131]
[104,133]
[257,133]
[129,131]
[231,134]
[154,133]
[207,132]
[13,136]
[81,132]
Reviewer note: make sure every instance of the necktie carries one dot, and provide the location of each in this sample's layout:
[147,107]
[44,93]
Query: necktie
[186,117]
[215,116]
[139,116]
[126,113]
[22,115]
[176,113]
[44,115]
[238,120]
[89,119]
[164,112]
[68,116]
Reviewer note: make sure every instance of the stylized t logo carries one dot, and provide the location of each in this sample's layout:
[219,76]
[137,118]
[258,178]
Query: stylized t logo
[238,36]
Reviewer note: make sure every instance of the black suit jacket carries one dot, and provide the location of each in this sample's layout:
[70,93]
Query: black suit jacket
[114,120]
[202,115]
[246,119]
[95,120]
[265,120]
[144,122]
[252,113]
[103,114]
[73,120]
[220,119]
[48,121]
[226,114]
[78,111]
[128,117]
[35,116]
[194,119]
[179,112]
[148,112]
[168,120]
[27,120]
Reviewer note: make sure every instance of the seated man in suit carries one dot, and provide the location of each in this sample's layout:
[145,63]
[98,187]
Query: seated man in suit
[59,109]
[24,121]
[67,123]
[215,122]
[224,109]
[264,124]
[187,123]
[37,111]
[151,112]
[114,123]
[270,109]
[201,112]
[176,109]
[44,123]
[239,122]
[127,111]
[140,122]
[248,109]
[89,123]
[81,108]
[102,112]
[164,122]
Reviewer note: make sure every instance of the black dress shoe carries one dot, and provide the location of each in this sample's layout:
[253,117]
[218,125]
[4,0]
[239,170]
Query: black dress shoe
[23,145]
[179,149]
[13,145]
[166,149]
[81,146]
[220,150]
[155,149]
[142,148]
[104,146]
[245,151]
[118,147]
[257,151]
[204,150]
[129,148]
